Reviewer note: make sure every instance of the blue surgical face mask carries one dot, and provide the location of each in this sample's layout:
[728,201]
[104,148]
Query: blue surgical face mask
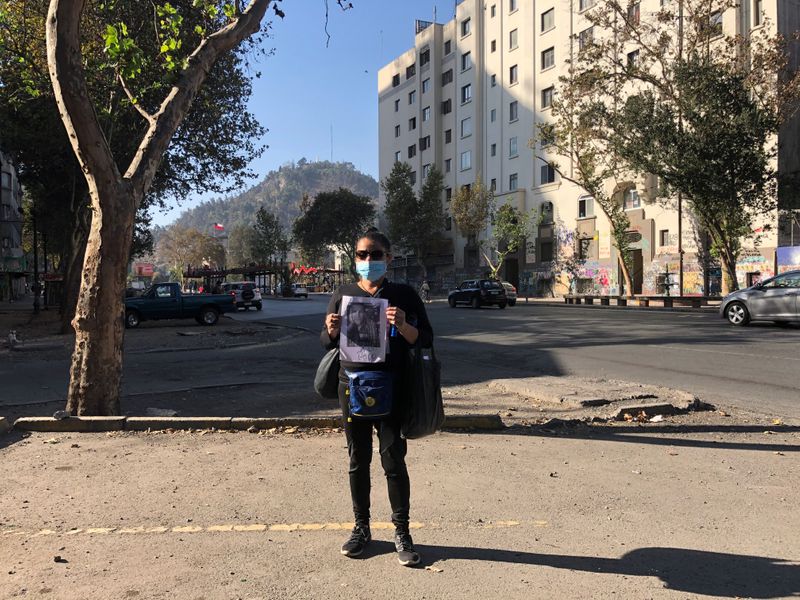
[371,270]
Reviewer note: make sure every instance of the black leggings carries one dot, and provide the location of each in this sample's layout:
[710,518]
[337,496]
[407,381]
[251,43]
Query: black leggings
[393,459]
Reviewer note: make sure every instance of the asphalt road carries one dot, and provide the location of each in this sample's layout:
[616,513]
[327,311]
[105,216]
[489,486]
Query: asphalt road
[751,368]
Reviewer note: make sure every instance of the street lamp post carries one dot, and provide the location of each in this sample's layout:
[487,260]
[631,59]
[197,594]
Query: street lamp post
[35,286]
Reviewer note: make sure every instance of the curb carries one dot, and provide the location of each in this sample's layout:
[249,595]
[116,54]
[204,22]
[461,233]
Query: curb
[680,309]
[103,424]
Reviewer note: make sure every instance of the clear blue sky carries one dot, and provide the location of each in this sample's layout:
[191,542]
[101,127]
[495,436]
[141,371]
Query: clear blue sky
[306,88]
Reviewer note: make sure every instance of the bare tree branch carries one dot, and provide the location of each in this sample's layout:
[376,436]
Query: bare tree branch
[134,102]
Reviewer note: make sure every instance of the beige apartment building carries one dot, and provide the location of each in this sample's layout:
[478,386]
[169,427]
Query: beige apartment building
[467,98]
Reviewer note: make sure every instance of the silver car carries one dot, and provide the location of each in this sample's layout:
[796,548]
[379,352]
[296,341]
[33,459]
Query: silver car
[776,299]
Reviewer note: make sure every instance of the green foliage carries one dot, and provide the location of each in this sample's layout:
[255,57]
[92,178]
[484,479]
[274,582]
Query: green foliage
[510,228]
[415,223]
[334,219]
[471,207]
[271,244]
[241,245]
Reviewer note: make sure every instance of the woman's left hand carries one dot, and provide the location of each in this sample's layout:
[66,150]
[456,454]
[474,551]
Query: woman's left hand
[396,316]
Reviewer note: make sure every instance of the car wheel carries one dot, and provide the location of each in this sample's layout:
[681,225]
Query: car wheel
[502,305]
[209,315]
[737,314]
[132,319]
[476,302]
[258,306]
[512,302]
[452,302]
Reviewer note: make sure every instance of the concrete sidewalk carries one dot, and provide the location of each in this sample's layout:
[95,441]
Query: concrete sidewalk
[596,512]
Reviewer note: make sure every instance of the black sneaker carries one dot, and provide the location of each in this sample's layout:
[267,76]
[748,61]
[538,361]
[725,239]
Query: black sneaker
[359,538]
[406,554]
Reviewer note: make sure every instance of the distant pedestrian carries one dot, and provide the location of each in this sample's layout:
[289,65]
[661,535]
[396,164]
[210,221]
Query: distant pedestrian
[425,291]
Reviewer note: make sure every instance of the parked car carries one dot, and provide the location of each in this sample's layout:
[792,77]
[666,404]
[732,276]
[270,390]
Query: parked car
[477,293]
[166,301]
[775,299]
[294,290]
[511,293]
[245,294]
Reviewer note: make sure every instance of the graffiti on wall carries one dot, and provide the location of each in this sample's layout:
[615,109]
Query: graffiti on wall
[598,278]
[752,267]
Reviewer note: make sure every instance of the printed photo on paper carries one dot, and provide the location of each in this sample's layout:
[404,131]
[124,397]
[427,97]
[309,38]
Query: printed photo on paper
[363,334]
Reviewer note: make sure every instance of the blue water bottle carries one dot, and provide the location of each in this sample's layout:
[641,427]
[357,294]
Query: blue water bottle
[393,331]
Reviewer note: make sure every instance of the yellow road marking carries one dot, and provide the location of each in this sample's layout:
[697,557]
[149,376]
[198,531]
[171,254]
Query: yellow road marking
[260,527]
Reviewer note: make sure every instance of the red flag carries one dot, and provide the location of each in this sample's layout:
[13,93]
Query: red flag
[219,227]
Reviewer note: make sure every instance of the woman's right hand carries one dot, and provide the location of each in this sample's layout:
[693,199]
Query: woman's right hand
[333,324]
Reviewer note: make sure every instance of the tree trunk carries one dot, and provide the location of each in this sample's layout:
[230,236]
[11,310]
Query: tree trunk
[96,370]
[730,282]
[626,276]
[81,222]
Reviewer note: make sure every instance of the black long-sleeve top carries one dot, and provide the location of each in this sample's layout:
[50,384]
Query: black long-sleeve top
[399,295]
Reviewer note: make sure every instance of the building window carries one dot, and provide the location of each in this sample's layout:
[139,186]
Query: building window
[412,96]
[547,134]
[466,160]
[448,47]
[426,113]
[466,93]
[426,85]
[548,19]
[448,223]
[398,156]
[424,57]
[547,174]
[585,208]
[396,80]
[663,237]
[547,97]
[493,115]
[512,39]
[447,77]
[397,131]
[397,105]
[412,123]
[512,147]
[466,27]
[448,194]
[512,5]
[513,74]
[758,12]
[412,151]
[585,38]
[466,127]
[411,71]
[493,150]
[512,182]
[426,169]
[493,11]
[513,110]
[447,106]
[633,14]
[546,252]
[493,80]
[447,165]
[493,46]
[466,61]
[413,178]
[448,136]
[548,58]
[633,59]
[715,23]
[424,143]
[493,185]
[631,199]
[585,4]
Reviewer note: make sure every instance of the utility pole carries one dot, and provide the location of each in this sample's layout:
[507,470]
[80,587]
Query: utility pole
[35,286]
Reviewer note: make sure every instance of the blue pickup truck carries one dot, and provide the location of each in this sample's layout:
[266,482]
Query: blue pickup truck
[166,301]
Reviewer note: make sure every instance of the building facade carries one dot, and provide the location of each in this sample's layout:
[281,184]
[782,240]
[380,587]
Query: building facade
[12,257]
[468,98]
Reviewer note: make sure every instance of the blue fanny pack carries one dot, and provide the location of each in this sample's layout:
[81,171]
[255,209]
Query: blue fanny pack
[370,394]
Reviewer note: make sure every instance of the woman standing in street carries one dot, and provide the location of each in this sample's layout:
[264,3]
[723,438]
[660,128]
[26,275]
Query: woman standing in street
[409,325]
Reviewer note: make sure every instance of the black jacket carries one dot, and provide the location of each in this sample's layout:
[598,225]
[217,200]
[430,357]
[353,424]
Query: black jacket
[399,295]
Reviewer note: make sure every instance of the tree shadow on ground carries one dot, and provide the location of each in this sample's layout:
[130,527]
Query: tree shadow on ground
[656,435]
[680,569]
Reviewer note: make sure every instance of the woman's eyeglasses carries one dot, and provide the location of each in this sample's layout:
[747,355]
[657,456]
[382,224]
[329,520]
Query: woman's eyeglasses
[373,255]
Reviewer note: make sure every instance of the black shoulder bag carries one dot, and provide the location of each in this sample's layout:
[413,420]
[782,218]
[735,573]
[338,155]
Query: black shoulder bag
[425,410]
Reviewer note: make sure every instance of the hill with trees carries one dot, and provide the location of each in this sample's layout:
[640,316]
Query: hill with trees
[280,193]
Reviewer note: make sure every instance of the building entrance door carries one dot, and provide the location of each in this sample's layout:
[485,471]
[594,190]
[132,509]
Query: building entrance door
[511,270]
[637,272]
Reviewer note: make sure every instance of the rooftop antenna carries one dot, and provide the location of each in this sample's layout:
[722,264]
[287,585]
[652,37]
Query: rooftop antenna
[434,13]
